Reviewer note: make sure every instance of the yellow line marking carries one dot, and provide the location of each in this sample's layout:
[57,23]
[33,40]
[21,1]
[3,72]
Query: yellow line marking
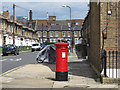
[10,71]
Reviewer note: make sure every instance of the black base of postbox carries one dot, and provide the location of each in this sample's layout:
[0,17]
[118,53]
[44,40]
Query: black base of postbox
[61,76]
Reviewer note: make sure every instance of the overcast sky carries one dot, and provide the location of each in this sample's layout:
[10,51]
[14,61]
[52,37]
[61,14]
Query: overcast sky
[79,9]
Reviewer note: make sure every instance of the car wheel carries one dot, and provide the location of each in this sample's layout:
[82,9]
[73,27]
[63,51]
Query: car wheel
[18,53]
[3,54]
[31,51]
[39,61]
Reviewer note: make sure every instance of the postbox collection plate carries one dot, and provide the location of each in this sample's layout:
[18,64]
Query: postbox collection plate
[63,54]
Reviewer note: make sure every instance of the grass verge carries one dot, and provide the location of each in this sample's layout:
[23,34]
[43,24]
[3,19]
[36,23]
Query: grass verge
[0,50]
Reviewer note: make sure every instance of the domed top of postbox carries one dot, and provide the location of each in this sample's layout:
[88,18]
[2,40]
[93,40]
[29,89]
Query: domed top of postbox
[61,44]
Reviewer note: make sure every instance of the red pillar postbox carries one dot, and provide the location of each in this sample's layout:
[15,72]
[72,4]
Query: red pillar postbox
[61,61]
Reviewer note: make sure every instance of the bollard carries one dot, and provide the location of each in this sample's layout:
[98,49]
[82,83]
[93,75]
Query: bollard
[61,61]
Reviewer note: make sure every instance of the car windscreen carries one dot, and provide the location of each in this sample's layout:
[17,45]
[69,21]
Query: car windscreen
[9,46]
[35,44]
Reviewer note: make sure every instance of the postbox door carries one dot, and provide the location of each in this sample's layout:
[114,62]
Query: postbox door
[62,64]
[64,59]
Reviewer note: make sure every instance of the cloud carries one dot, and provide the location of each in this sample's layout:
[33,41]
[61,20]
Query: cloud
[45,0]
[59,0]
[40,9]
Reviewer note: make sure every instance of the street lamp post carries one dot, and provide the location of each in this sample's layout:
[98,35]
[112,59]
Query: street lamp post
[70,24]
[69,8]
[47,34]
[42,32]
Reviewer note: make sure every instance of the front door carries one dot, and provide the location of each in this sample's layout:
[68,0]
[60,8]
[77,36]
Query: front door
[4,40]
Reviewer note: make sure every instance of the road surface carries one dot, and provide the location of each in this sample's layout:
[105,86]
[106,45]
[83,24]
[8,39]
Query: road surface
[12,61]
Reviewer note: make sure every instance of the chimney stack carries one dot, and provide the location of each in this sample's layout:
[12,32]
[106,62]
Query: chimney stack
[6,14]
[30,13]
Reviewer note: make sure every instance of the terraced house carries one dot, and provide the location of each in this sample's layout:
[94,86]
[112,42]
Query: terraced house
[59,30]
[58,33]
[100,33]
[24,34]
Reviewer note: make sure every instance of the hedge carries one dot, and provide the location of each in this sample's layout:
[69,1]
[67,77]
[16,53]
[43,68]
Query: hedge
[25,48]
[0,50]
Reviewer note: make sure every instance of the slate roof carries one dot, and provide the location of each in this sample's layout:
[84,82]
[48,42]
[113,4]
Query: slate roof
[65,27]
[55,27]
[58,27]
[78,27]
[44,27]
[33,25]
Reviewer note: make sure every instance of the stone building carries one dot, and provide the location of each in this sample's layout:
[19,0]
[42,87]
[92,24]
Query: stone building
[100,31]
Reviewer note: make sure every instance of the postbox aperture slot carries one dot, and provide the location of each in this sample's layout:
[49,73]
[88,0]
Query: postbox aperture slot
[63,49]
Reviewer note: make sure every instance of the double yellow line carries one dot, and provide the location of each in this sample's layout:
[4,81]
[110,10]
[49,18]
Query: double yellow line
[10,71]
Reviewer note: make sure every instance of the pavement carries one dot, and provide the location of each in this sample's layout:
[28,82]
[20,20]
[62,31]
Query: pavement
[80,75]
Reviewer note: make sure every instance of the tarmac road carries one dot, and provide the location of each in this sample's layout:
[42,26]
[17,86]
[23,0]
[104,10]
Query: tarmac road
[12,61]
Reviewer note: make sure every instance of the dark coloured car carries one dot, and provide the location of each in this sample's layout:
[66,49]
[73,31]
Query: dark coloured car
[10,49]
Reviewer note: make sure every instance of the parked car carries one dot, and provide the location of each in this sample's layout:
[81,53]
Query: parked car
[10,49]
[36,47]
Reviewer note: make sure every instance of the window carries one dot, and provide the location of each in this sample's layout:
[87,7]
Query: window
[11,28]
[52,24]
[54,18]
[75,33]
[76,41]
[69,24]
[39,34]
[54,40]
[23,32]
[69,34]
[44,33]
[8,28]
[56,34]
[64,34]
[77,23]
[16,29]
[51,34]
[50,40]
[98,2]
[35,44]
[80,33]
